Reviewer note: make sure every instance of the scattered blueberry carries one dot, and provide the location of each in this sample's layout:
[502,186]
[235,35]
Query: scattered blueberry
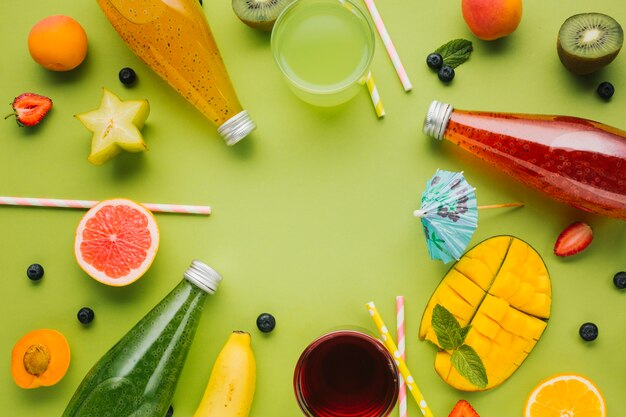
[434,60]
[127,76]
[588,331]
[620,280]
[170,411]
[35,272]
[85,315]
[266,322]
[446,73]
[606,90]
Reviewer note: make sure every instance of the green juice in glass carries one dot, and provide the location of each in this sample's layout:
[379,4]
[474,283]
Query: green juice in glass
[324,48]
[137,377]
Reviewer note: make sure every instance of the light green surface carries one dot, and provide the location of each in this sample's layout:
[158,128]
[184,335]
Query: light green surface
[312,213]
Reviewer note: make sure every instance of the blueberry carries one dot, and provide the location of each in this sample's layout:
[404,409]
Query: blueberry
[127,76]
[434,60]
[266,322]
[170,411]
[35,272]
[620,280]
[85,315]
[446,74]
[606,90]
[588,331]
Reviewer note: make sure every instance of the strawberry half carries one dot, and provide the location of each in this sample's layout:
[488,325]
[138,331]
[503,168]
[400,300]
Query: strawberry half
[576,237]
[30,108]
[463,409]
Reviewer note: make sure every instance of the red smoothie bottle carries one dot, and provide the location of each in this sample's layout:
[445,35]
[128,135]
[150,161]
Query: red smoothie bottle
[576,161]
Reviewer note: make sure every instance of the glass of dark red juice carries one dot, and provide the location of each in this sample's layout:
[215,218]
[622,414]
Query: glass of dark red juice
[346,373]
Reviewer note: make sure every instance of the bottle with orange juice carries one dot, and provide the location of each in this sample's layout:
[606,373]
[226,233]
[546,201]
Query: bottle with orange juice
[173,38]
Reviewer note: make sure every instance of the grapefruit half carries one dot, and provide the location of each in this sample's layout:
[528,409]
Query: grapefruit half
[116,241]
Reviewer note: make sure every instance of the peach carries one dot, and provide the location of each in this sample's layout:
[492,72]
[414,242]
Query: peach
[492,19]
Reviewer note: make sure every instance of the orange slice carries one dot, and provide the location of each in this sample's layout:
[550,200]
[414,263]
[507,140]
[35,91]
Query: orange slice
[567,395]
[116,241]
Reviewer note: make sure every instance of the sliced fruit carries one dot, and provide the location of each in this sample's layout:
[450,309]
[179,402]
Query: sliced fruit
[116,126]
[259,14]
[568,395]
[575,238]
[589,41]
[116,241]
[463,409]
[40,359]
[29,108]
[501,288]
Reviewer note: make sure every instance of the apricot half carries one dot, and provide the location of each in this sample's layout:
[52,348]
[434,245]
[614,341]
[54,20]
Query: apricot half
[40,359]
[492,19]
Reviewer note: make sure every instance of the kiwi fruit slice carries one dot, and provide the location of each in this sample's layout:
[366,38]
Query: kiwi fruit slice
[259,14]
[588,42]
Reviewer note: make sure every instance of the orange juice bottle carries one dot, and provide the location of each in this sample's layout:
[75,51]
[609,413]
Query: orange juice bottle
[173,37]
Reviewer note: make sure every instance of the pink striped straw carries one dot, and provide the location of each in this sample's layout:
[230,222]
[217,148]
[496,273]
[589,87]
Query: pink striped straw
[402,407]
[391,50]
[87,204]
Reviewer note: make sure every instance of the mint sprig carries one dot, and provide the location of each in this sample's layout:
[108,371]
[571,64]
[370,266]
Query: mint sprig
[451,336]
[455,52]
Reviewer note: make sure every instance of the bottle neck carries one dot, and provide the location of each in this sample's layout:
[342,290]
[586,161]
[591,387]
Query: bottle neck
[437,119]
[203,276]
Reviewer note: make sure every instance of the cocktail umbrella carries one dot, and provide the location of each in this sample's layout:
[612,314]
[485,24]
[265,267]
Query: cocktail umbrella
[449,214]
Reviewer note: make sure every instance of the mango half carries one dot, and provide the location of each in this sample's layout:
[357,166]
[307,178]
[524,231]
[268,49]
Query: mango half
[502,288]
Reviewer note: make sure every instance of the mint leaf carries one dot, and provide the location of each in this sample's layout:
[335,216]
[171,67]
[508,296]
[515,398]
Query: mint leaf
[469,365]
[455,52]
[464,331]
[447,328]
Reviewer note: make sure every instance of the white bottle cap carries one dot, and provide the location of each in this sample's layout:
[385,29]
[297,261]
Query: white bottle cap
[236,128]
[436,119]
[203,276]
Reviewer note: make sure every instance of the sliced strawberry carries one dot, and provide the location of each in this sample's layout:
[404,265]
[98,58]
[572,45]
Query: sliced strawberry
[576,237]
[463,409]
[30,108]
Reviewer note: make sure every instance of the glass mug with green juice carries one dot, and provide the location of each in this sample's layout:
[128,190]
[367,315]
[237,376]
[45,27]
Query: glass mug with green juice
[324,49]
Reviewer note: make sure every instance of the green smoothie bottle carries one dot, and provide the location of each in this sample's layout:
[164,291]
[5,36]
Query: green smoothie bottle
[137,377]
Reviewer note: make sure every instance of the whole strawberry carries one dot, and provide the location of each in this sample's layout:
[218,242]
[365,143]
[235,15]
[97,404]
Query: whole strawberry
[30,108]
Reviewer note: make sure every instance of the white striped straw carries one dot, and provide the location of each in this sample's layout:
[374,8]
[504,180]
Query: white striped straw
[402,407]
[391,50]
[371,87]
[86,204]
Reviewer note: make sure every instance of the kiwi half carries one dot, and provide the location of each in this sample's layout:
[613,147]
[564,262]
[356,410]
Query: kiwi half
[259,14]
[588,42]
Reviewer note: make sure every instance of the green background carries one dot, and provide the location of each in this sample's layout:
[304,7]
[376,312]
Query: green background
[312,213]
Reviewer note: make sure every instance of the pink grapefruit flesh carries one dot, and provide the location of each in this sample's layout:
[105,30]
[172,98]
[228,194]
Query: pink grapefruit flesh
[116,241]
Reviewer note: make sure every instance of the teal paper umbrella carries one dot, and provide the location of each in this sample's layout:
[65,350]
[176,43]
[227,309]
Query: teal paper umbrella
[449,214]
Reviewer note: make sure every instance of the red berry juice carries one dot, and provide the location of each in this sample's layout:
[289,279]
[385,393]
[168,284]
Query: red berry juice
[346,374]
[575,161]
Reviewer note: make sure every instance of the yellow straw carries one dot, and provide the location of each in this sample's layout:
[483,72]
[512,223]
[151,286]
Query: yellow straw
[393,349]
[371,87]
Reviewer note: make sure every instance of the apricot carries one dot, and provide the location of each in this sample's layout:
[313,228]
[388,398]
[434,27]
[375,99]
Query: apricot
[58,43]
[492,19]
[40,359]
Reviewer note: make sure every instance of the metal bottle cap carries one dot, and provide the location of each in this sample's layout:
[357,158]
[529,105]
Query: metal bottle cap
[436,119]
[203,276]
[236,128]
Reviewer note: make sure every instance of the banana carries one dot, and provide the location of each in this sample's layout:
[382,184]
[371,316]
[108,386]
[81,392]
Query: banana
[230,389]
